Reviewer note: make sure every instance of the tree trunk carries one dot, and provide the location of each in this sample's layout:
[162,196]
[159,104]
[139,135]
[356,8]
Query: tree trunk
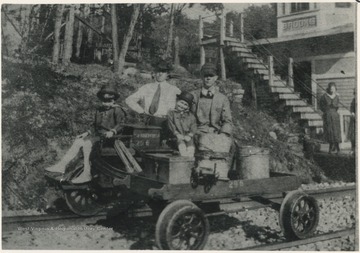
[140,36]
[114,33]
[176,51]
[79,36]
[171,31]
[25,21]
[90,31]
[69,33]
[58,20]
[127,38]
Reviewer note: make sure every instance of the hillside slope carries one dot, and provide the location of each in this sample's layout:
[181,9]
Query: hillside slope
[43,110]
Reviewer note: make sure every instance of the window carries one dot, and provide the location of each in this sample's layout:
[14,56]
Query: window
[298,7]
[283,8]
[343,5]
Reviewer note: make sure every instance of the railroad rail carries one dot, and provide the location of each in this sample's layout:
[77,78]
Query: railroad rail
[314,239]
[11,223]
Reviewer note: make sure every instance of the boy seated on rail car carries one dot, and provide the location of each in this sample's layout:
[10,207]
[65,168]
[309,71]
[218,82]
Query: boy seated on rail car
[182,124]
[108,119]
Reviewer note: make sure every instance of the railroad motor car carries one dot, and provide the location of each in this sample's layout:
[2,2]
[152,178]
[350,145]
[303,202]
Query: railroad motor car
[134,168]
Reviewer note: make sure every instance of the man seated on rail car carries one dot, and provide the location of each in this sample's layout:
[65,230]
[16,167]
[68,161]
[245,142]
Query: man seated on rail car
[155,99]
[213,114]
[108,119]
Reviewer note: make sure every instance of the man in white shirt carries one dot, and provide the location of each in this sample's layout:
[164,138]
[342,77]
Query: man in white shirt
[157,98]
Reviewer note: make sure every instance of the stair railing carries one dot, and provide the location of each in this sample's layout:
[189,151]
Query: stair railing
[271,70]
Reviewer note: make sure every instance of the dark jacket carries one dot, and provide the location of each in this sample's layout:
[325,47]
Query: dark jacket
[107,119]
[183,124]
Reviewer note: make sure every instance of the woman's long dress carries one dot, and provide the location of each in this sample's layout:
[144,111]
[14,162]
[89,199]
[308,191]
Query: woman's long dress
[331,118]
[351,132]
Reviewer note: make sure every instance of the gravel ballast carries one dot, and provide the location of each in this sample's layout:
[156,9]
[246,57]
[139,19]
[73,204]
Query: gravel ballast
[233,231]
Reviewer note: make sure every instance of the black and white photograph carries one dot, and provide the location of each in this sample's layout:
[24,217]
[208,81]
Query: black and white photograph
[179,126]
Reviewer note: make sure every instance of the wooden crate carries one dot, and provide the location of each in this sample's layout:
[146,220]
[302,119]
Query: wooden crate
[168,168]
[143,137]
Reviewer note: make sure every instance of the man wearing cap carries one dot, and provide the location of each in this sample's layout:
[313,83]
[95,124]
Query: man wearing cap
[211,108]
[214,123]
[108,119]
[157,98]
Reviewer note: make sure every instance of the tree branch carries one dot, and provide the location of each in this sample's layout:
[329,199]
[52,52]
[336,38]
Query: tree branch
[8,18]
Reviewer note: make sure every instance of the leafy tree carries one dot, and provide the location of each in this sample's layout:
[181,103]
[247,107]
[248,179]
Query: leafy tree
[260,22]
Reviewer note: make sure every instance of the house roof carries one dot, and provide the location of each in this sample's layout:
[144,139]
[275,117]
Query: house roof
[347,28]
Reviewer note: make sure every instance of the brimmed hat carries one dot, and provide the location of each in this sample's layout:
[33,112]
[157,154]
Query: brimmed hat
[209,69]
[162,65]
[186,96]
[108,89]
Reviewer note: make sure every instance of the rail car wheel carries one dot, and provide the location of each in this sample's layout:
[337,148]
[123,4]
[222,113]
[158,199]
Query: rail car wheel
[299,215]
[83,202]
[182,226]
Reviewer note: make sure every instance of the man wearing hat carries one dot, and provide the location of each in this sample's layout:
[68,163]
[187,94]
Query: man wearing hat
[211,108]
[108,119]
[157,98]
[182,124]
[214,123]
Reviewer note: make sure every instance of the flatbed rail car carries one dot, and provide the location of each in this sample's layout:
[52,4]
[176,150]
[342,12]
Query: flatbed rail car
[180,198]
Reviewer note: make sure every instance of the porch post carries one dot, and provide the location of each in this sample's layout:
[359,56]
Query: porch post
[222,28]
[221,46]
[231,28]
[241,27]
[271,70]
[201,35]
[253,92]
[291,72]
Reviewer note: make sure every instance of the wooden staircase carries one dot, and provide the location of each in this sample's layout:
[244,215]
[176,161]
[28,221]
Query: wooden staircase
[276,86]
[272,88]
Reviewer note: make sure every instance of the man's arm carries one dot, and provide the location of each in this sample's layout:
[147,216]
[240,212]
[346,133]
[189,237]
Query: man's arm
[120,116]
[133,100]
[171,124]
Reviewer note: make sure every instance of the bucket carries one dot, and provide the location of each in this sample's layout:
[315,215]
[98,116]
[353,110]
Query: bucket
[253,162]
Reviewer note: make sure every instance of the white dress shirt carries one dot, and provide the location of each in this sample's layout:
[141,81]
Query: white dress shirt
[145,94]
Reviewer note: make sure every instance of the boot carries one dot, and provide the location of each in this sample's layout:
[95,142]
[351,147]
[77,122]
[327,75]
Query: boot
[337,147]
[70,154]
[330,147]
[57,168]
[84,177]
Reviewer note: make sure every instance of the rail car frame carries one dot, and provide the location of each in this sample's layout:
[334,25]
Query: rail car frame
[179,198]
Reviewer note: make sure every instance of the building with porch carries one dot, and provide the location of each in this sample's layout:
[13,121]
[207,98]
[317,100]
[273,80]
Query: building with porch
[319,40]
[314,46]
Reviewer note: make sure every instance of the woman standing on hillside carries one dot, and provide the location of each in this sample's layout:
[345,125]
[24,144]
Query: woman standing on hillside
[329,104]
[352,126]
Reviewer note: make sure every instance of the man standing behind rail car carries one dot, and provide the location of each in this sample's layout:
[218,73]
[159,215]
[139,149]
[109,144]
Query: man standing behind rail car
[157,98]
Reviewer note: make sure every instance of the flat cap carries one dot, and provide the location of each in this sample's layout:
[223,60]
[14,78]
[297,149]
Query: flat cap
[209,69]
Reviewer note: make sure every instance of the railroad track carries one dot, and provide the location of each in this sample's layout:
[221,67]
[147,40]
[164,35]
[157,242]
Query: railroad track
[314,239]
[226,206]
